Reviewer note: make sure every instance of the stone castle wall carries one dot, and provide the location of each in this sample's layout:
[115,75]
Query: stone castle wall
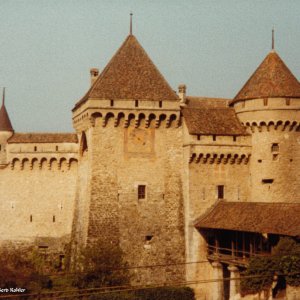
[150,231]
[37,194]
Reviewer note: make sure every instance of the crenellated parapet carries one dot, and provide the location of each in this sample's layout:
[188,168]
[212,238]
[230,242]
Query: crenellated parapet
[279,125]
[43,163]
[129,118]
[219,158]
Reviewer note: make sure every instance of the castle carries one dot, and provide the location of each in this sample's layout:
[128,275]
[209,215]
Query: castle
[171,179]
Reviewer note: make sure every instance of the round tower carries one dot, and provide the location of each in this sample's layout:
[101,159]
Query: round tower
[6,131]
[269,106]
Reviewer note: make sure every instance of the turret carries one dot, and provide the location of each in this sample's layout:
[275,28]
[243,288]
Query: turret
[6,131]
[268,104]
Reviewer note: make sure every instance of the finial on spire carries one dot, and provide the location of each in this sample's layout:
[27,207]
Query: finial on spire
[273,40]
[131,23]
[3,97]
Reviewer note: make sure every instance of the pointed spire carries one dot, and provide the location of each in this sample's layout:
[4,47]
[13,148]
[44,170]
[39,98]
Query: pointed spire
[5,124]
[273,40]
[130,32]
[271,79]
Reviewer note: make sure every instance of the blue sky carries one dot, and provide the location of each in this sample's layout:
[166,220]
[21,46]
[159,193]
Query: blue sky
[48,47]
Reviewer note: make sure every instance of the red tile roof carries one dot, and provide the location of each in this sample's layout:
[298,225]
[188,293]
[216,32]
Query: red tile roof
[276,218]
[130,74]
[206,102]
[5,124]
[19,138]
[271,79]
[213,121]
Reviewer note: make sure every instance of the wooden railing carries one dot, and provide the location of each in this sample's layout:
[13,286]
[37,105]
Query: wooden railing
[232,256]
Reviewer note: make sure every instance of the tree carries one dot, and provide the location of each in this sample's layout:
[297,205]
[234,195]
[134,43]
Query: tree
[102,265]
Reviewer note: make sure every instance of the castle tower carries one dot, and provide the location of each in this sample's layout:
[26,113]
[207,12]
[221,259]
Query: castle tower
[6,131]
[268,104]
[129,180]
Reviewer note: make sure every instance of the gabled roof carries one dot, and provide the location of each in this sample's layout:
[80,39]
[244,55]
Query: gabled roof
[130,74]
[262,217]
[19,138]
[206,102]
[5,124]
[271,79]
[213,121]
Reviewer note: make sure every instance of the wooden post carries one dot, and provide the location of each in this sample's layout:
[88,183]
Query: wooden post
[244,248]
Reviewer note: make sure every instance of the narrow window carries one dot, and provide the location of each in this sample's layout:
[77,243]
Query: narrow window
[198,137]
[35,148]
[267,181]
[160,104]
[0,148]
[56,148]
[141,192]
[265,101]
[136,103]
[288,101]
[214,137]
[234,138]
[30,218]
[220,191]
[275,147]
[148,238]
[53,219]
[111,102]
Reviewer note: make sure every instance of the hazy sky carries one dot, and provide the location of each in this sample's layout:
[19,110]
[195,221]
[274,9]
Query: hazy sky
[48,48]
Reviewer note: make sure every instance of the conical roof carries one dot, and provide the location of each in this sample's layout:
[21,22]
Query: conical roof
[5,124]
[130,74]
[271,79]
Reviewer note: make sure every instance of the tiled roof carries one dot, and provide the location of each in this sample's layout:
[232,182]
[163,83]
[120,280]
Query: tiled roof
[276,218]
[18,138]
[205,102]
[130,74]
[271,79]
[210,121]
[5,124]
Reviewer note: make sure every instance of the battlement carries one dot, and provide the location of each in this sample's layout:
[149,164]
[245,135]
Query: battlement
[280,125]
[129,118]
[220,158]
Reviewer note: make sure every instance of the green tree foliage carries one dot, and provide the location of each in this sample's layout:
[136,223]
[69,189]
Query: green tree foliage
[20,268]
[285,260]
[162,293]
[102,265]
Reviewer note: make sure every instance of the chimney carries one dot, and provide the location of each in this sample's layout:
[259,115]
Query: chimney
[182,94]
[94,75]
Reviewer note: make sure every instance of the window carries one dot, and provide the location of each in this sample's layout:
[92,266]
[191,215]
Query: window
[56,148]
[148,238]
[275,147]
[288,101]
[234,138]
[30,218]
[214,137]
[198,137]
[53,219]
[141,192]
[160,104]
[35,148]
[265,101]
[111,102]
[136,104]
[220,191]
[0,148]
[267,181]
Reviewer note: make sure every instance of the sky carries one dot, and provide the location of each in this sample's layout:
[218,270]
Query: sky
[48,47]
